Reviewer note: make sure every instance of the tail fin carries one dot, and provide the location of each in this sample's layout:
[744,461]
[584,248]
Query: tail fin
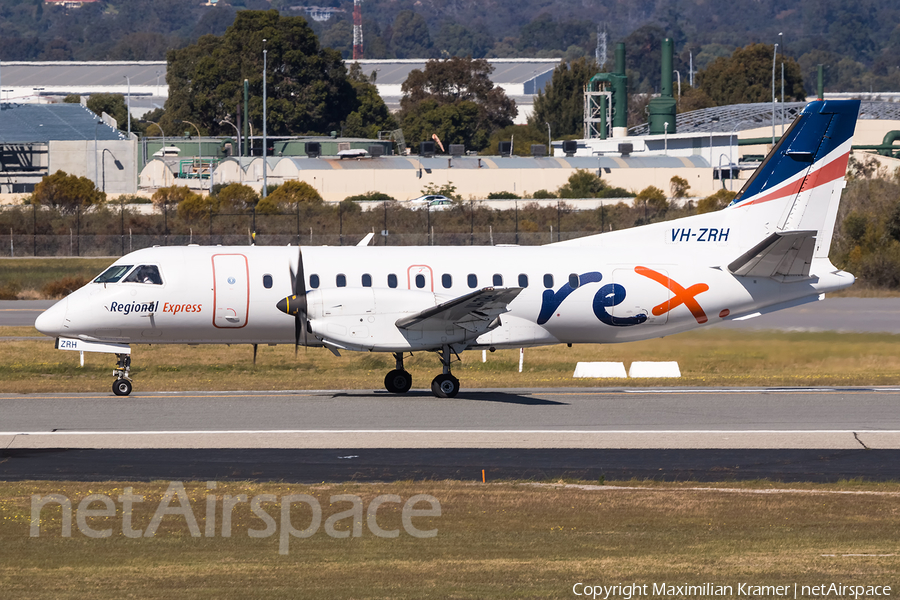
[800,182]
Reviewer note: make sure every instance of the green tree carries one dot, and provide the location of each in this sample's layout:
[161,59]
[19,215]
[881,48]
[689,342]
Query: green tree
[371,114]
[522,137]
[747,77]
[172,195]
[581,184]
[307,85]
[679,187]
[66,192]
[410,37]
[454,39]
[717,201]
[652,201]
[112,104]
[237,196]
[455,99]
[561,102]
[289,195]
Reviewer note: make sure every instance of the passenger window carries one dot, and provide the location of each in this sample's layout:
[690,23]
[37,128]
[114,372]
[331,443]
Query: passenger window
[548,280]
[573,281]
[145,274]
[498,279]
[420,281]
[523,280]
[392,281]
[447,280]
[267,282]
[314,281]
[113,274]
[341,280]
[472,280]
[366,280]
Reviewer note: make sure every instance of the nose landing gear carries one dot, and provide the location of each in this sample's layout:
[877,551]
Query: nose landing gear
[122,384]
[399,380]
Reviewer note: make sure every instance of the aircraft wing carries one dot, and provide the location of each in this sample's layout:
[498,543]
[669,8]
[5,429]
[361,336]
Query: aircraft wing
[782,255]
[475,312]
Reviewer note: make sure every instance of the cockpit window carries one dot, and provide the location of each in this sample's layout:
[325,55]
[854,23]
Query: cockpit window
[113,274]
[145,274]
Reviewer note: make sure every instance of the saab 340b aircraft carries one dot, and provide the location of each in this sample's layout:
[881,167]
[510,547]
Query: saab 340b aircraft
[766,251]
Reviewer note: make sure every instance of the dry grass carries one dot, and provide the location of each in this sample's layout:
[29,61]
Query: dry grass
[502,540]
[707,358]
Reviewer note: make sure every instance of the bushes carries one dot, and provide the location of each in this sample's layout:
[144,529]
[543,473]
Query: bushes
[63,287]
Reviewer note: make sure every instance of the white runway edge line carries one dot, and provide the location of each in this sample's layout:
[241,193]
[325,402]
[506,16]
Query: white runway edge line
[460,431]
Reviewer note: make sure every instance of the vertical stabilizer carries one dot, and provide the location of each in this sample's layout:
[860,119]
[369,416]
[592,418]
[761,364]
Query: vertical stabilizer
[798,187]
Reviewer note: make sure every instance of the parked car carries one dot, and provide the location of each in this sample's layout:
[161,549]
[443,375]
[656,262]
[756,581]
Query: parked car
[423,201]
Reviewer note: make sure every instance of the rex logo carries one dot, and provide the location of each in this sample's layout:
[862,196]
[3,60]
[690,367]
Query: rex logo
[613,294]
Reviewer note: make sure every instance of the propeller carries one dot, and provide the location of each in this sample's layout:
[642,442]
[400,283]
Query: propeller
[295,304]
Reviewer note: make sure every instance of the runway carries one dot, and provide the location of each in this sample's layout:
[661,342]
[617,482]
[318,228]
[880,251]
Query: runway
[822,434]
[821,418]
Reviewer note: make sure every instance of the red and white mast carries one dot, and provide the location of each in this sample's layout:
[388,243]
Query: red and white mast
[357,30]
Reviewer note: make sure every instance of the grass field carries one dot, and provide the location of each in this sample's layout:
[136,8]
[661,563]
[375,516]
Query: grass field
[708,357]
[495,540]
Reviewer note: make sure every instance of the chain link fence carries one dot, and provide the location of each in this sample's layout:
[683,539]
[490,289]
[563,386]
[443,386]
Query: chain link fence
[115,231]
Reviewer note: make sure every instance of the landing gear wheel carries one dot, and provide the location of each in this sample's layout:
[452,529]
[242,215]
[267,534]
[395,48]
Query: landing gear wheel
[445,386]
[398,381]
[121,387]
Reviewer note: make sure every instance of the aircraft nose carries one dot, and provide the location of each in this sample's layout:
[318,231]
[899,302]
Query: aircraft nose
[50,322]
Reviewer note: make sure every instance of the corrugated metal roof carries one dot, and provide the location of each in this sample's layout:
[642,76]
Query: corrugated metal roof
[77,73]
[20,123]
[144,73]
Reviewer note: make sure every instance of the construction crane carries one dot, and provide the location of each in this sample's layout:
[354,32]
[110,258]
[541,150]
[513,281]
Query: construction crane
[357,30]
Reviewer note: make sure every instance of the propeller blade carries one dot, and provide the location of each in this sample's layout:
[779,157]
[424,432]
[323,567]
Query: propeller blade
[296,305]
[255,348]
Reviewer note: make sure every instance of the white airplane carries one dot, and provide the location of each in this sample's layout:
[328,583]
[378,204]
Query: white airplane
[766,251]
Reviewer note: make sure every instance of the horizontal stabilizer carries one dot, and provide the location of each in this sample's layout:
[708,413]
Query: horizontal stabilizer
[475,312]
[782,255]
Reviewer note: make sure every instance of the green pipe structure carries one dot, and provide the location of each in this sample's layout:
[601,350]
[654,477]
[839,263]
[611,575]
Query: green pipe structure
[618,83]
[662,110]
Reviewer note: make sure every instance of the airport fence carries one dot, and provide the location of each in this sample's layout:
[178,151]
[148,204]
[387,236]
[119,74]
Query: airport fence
[117,230]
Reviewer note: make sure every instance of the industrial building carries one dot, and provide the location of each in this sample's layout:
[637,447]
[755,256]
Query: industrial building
[40,139]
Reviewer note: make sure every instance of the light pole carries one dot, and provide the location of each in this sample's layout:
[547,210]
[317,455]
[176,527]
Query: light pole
[781,40]
[731,154]
[265,142]
[103,168]
[96,178]
[236,132]
[678,73]
[158,73]
[199,150]
[163,135]
[549,140]
[774,56]
[128,106]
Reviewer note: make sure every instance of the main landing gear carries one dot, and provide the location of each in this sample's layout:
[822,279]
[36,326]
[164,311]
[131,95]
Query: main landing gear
[444,385]
[122,384]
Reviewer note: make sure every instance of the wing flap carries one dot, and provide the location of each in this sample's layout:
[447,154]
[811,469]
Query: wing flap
[782,255]
[475,312]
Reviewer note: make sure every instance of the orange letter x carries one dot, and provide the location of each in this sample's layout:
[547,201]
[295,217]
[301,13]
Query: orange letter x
[681,295]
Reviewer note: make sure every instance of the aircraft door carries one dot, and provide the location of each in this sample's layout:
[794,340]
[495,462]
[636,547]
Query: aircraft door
[420,277]
[231,290]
